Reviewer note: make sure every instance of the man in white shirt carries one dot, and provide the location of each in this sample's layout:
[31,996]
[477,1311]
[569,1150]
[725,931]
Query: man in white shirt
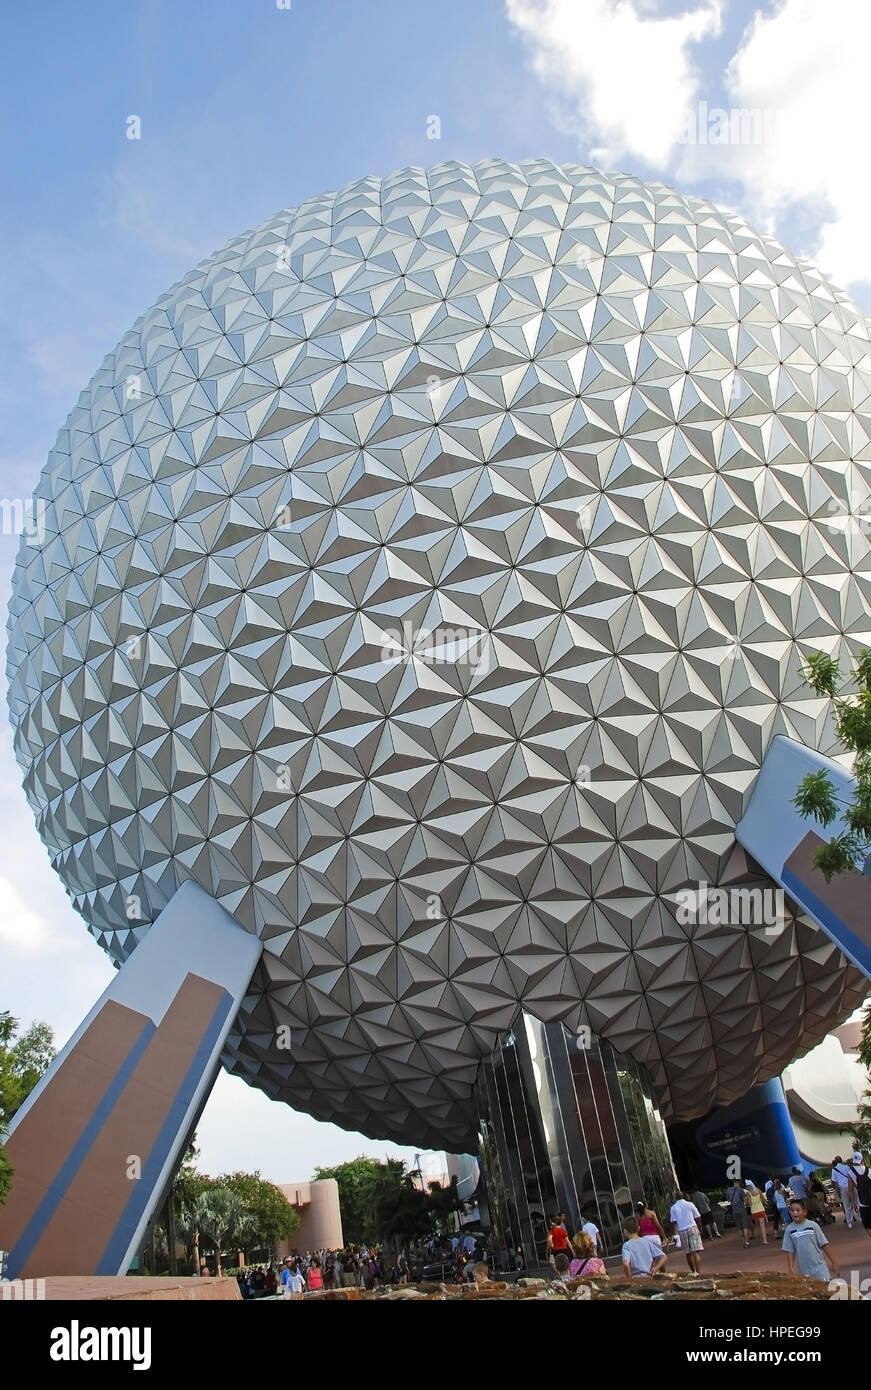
[845,1179]
[593,1232]
[683,1216]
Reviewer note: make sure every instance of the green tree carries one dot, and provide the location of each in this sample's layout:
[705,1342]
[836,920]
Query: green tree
[267,1216]
[191,1213]
[379,1201]
[23,1059]
[400,1210]
[188,1183]
[356,1181]
[817,796]
[272,1216]
[862,1130]
[6,1171]
[223,1220]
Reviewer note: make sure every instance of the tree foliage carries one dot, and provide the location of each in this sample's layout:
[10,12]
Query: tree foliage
[862,1129]
[6,1171]
[188,1183]
[444,1204]
[23,1059]
[273,1218]
[258,1215]
[400,1210]
[383,1202]
[356,1181]
[223,1220]
[817,796]
[822,673]
[189,1216]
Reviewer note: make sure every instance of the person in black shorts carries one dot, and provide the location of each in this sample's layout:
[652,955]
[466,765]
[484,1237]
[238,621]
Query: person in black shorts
[740,1212]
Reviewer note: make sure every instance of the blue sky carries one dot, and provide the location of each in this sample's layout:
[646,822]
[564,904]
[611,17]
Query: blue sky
[246,108]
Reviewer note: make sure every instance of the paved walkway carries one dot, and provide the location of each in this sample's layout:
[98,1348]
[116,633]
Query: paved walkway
[851,1251]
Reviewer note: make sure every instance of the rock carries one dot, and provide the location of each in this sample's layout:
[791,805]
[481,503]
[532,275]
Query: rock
[752,1286]
[737,1288]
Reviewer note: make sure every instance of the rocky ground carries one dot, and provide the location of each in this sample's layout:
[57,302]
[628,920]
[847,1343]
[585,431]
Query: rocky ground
[765,1285]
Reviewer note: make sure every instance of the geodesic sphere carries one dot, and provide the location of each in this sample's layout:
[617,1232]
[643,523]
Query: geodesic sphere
[426,575]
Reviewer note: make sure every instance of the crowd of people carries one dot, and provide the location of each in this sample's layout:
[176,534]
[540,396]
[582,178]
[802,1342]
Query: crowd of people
[364,1267]
[806,1247]
[460,1253]
[358,1266]
[260,1281]
[796,1209]
[753,1207]
[322,1269]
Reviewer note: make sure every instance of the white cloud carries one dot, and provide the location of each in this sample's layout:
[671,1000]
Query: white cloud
[22,929]
[808,61]
[625,81]
[629,74]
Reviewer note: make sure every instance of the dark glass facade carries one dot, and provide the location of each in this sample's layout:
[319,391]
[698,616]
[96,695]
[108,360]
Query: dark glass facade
[567,1124]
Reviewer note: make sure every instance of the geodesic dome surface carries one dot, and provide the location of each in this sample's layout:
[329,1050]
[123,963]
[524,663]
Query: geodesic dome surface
[425,575]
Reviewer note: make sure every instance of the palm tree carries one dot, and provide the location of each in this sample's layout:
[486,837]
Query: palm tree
[444,1204]
[223,1220]
[192,1215]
